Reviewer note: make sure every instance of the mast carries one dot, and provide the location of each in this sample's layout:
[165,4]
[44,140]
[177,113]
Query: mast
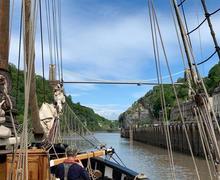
[4,33]
[6,125]
[185,41]
[207,15]
[37,128]
[201,100]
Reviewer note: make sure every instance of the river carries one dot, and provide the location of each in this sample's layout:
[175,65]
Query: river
[153,161]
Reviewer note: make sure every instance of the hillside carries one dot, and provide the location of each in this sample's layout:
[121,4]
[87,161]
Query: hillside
[147,108]
[93,121]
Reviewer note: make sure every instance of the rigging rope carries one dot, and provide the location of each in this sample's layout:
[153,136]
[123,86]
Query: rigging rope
[60,37]
[56,52]
[11,23]
[197,27]
[203,109]
[186,25]
[181,3]
[22,165]
[159,76]
[202,62]
[188,33]
[19,53]
[199,32]
[47,7]
[202,141]
[175,93]
[42,50]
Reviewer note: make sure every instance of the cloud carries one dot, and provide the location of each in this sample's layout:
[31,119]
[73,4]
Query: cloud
[103,41]
[110,111]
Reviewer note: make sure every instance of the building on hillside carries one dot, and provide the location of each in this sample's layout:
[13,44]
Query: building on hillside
[216,101]
[187,110]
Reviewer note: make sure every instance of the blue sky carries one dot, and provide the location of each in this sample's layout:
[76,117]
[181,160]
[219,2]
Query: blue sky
[110,39]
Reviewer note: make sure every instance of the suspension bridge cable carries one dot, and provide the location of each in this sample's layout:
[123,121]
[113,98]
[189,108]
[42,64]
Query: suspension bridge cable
[42,50]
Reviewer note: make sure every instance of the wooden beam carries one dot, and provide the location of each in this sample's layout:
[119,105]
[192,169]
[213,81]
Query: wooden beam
[79,157]
[4,33]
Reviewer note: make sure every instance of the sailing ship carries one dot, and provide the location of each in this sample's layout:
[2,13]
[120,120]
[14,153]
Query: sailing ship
[32,154]
[198,107]
[32,150]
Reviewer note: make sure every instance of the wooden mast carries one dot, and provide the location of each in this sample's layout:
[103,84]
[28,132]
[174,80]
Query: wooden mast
[4,33]
[37,128]
[5,86]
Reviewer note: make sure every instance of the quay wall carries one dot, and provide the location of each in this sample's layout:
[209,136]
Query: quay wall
[156,136]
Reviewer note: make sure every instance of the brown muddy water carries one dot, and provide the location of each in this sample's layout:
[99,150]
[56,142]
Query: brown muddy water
[153,161]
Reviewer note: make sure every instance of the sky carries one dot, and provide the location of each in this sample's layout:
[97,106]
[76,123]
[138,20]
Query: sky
[111,40]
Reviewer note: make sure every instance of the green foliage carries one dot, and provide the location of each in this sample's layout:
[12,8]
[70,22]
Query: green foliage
[18,90]
[213,79]
[92,120]
[153,97]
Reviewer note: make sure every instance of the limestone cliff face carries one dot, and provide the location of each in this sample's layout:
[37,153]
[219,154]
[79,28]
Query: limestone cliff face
[137,115]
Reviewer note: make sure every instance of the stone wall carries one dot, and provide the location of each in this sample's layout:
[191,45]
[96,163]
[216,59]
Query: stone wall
[155,135]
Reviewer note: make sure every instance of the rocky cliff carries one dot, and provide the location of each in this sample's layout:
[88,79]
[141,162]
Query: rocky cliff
[137,115]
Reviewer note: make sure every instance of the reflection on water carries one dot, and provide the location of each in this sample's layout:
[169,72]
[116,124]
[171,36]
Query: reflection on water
[153,161]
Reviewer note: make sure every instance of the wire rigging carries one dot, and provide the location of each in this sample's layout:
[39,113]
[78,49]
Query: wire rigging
[59,39]
[19,54]
[186,25]
[181,3]
[159,77]
[42,50]
[207,59]
[47,7]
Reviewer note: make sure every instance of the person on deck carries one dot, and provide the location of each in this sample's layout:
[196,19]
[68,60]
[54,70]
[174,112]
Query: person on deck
[71,169]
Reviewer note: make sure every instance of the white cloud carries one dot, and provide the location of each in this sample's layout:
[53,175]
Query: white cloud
[110,111]
[120,49]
